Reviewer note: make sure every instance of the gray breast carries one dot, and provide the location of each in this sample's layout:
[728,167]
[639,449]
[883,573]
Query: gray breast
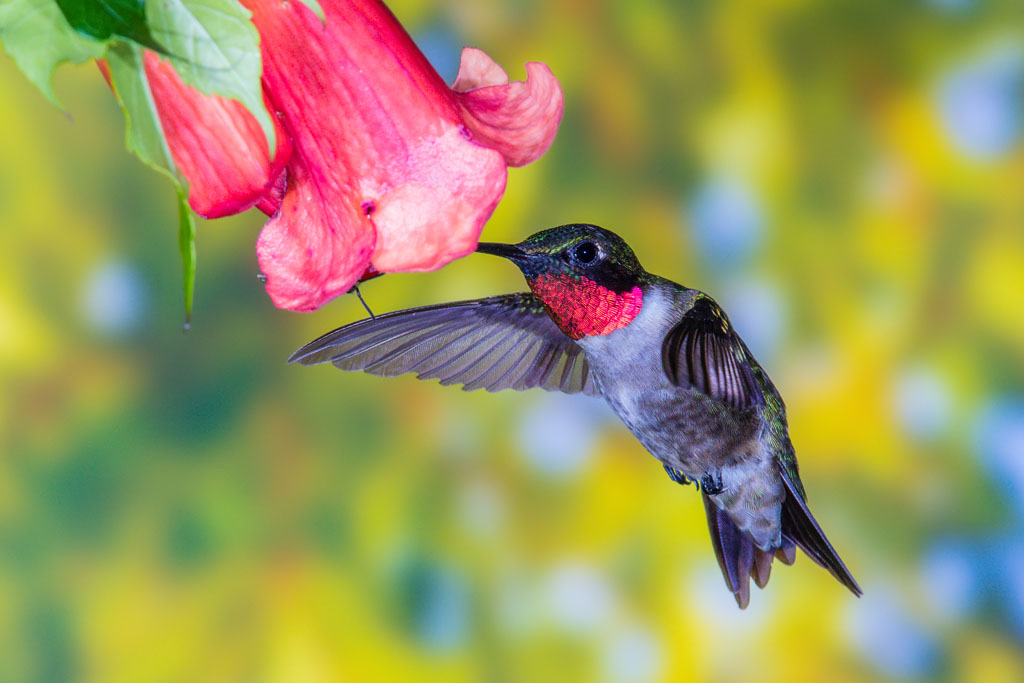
[679,426]
[683,428]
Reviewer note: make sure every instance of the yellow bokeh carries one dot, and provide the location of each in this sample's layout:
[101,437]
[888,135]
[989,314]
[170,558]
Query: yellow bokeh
[844,177]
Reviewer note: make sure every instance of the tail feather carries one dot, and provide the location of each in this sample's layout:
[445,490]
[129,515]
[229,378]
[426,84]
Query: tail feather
[762,567]
[740,559]
[735,552]
[786,553]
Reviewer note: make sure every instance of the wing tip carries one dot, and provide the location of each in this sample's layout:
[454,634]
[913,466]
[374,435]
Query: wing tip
[308,354]
[801,529]
[299,356]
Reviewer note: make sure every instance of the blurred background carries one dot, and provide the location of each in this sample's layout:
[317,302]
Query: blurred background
[847,178]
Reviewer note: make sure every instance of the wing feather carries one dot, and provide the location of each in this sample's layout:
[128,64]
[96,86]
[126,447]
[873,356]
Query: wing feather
[501,342]
[702,351]
[484,373]
[512,368]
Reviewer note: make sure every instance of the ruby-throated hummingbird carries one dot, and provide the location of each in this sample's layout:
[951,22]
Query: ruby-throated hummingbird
[664,357]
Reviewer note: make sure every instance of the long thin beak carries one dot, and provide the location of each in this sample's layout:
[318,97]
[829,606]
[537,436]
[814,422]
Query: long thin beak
[509,251]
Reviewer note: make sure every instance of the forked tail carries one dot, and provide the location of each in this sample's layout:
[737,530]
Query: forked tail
[741,560]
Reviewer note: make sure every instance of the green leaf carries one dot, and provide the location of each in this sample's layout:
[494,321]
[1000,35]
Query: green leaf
[103,18]
[144,135]
[38,37]
[187,245]
[214,47]
[145,138]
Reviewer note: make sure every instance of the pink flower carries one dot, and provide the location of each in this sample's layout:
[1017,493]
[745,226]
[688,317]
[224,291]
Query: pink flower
[386,167]
[217,145]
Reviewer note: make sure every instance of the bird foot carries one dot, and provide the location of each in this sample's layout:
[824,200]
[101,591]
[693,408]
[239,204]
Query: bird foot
[712,483]
[678,477]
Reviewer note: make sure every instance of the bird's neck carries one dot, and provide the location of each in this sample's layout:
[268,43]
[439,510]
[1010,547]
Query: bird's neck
[583,308]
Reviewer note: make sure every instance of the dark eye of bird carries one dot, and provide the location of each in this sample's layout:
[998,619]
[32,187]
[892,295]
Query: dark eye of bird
[586,252]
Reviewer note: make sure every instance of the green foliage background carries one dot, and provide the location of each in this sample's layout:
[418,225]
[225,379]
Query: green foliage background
[189,507]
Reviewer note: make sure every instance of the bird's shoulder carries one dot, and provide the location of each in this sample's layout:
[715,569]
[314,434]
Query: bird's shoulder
[703,350]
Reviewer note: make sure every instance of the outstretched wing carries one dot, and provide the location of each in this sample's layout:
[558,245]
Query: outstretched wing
[501,342]
[704,352]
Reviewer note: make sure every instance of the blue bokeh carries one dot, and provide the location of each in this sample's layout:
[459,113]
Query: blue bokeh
[725,218]
[999,441]
[980,100]
[442,47]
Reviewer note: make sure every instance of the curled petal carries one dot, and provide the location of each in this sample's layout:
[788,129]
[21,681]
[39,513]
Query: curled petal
[518,119]
[478,70]
[216,143]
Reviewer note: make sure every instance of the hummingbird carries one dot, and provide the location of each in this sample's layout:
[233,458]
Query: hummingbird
[665,358]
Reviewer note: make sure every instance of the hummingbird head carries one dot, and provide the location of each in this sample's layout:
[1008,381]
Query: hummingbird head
[586,277]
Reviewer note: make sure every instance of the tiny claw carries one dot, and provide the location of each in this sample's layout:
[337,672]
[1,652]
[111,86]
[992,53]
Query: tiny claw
[712,483]
[355,288]
[678,477]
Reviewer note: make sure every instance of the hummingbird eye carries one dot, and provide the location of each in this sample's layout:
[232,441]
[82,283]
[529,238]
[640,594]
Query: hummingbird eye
[585,252]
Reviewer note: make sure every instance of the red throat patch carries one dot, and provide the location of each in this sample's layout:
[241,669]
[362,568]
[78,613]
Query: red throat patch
[581,307]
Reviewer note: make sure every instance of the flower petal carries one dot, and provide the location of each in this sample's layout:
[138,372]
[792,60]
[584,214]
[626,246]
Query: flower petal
[434,213]
[310,248]
[478,70]
[518,119]
[216,143]
[222,181]
[384,172]
[271,200]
